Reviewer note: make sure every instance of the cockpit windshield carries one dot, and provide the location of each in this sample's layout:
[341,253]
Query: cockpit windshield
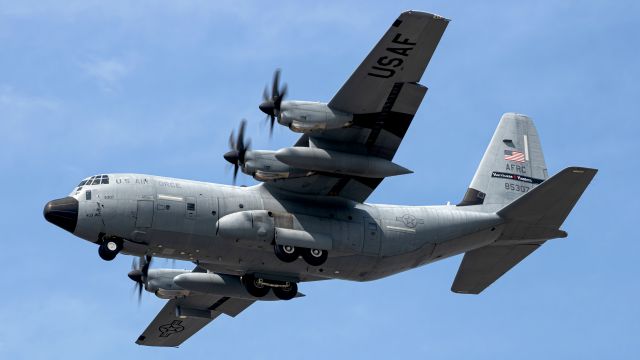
[94,180]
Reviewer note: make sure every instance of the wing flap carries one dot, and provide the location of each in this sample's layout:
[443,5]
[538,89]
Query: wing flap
[482,267]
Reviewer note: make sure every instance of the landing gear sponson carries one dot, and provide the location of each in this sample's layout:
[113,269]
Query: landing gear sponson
[289,253]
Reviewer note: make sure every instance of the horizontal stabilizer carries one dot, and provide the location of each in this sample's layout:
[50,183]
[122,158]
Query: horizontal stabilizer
[550,203]
[481,267]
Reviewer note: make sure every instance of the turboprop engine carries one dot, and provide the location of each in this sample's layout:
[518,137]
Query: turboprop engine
[262,165]
[307,117]
[160,282]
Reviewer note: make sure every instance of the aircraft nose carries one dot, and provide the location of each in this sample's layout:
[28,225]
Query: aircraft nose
[62,212]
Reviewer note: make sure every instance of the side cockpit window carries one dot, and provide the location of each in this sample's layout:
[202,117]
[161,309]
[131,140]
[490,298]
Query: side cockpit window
[79,187]
[105,179]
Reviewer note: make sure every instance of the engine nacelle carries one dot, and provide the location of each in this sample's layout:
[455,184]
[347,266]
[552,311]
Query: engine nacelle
[308,117]
[160,282]
[171,284]
[262,165]
[217,284]
[316,159]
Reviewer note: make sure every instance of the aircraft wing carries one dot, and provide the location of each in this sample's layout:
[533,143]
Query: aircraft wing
[383,95]
[401,56]
[180,318]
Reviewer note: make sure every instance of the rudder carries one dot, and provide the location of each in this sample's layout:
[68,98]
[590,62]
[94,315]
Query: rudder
[512,165]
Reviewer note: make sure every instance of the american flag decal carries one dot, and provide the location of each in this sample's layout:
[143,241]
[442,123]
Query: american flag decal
[513,155]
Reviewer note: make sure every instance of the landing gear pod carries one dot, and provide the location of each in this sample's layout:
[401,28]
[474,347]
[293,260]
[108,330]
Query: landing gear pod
[255,225]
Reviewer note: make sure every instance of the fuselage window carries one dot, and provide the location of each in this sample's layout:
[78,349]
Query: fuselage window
[87,195]
[191,207]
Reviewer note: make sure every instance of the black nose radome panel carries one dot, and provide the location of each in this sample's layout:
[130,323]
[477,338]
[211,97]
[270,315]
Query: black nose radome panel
[63,213]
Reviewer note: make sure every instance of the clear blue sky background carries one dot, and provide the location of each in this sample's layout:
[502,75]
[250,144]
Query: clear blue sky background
[155,87]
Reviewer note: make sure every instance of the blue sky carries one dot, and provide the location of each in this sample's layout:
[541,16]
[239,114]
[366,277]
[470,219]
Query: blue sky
[88,87]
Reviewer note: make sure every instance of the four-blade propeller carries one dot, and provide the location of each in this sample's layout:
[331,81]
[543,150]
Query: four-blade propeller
[271,105]
[271,102]
[139,272]
[239,147]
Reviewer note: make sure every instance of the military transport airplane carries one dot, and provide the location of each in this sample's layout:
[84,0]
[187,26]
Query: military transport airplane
[308,220]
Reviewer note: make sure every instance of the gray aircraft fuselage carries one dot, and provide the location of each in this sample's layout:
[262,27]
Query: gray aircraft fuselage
[178,219]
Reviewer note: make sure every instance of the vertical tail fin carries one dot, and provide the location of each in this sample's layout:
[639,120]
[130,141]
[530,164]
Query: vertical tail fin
[512,165]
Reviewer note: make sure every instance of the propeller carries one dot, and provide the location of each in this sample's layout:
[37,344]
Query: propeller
[239,147]
[271,102]
[139,272]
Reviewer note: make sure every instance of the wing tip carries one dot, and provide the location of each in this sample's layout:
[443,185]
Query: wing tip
[423,14]
[582,169]
[465,291]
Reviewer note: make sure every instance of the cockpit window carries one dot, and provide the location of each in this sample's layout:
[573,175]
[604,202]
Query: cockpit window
[94,180]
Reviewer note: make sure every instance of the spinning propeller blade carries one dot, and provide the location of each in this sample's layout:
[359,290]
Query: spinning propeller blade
[271,102]
[238,149]
[139,272]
